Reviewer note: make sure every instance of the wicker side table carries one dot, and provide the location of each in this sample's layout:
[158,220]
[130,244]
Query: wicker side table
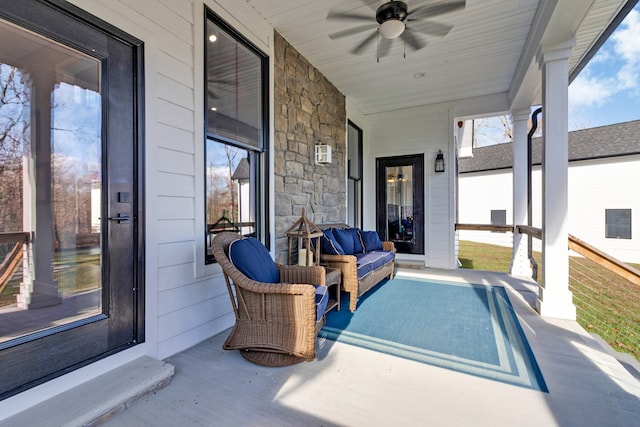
[333,279]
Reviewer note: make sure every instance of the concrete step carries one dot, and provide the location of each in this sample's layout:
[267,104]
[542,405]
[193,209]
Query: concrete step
[97,400]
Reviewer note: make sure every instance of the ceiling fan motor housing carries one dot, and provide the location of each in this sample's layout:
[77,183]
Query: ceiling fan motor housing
[392,10]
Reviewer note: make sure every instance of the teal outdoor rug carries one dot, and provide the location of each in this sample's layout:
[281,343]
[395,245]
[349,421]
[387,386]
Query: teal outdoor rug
[464,327]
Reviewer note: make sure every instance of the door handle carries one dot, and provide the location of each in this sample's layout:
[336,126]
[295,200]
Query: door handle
[120,218]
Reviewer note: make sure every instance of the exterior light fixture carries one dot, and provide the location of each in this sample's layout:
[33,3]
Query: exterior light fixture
[439,166]
[323,154]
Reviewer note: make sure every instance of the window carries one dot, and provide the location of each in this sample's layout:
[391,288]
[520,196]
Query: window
[236,134]
[618,223]
[354,162]
[498,217]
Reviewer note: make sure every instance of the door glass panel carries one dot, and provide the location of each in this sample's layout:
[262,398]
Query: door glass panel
[399,203]
[50,185]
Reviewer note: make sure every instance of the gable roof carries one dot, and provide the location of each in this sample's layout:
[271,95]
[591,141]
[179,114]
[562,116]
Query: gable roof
[621,139]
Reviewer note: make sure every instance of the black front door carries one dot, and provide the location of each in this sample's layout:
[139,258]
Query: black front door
[400,202]
[70,231]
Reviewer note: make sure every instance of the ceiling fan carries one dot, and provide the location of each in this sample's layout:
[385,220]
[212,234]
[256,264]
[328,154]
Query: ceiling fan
[394,20]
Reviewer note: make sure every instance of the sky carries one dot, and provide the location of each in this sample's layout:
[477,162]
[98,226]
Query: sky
[607,90]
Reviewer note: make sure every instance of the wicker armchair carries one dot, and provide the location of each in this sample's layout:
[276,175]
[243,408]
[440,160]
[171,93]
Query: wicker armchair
[276,323]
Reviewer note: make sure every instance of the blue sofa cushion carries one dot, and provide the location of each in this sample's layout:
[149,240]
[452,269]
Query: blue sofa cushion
[363,267]
[254,261]
[358,247]
[322,297]
[329,244]
[374,260]
[371,241]
[345,238]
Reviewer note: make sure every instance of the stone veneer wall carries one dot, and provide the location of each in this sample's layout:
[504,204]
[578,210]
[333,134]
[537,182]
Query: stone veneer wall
[308,109]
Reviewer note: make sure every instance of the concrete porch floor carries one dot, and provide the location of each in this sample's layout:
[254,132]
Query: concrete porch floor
[350,386]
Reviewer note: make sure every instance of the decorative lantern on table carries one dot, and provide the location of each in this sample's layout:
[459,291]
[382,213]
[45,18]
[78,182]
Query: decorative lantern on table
[303,231]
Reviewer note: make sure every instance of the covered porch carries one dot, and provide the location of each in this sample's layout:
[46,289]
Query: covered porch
[348,385]
[503,57]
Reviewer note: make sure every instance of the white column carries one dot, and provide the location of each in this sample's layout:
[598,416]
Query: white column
[554,298]
[39,288]
[520,265]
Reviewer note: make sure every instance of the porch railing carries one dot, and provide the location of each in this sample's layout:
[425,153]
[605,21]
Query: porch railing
[13,256]
[606,291]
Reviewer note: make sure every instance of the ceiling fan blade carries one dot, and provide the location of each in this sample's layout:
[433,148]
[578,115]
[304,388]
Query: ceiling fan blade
[358,49]
[432,28]
[352,31]
[413,42]
[350,17]
[435,10]
[384,47]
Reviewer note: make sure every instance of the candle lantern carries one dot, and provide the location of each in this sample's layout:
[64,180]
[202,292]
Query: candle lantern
[302,232]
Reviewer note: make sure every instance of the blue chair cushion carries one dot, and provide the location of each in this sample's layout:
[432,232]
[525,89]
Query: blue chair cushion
[254,261]
[322,298]
[371,241]
[345,239]
[329,244]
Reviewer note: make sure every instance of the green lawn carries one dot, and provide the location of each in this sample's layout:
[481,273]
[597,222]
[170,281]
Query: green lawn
[606,304]
[75,271]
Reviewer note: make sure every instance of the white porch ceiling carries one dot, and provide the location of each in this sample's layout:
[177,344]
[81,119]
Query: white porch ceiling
[490,50]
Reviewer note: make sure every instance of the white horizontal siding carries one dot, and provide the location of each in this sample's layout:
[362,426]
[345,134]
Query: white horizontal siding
[175,208]
[176,230]
[175,115]
[175,253]
[175,139]
[176,162]
[190,316]
[171,184]
[174,69]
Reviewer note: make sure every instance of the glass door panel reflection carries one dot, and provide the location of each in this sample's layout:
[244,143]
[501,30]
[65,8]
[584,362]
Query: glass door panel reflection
[50,185]
[400,203]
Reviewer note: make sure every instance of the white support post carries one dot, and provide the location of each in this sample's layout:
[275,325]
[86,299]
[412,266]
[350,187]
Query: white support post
[555,298]
[520,265]
[39,288]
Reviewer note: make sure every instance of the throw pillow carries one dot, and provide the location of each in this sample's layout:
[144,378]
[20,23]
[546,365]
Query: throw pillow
[329,245]
[253,260]
[343,236]
[358,247]
[371,241]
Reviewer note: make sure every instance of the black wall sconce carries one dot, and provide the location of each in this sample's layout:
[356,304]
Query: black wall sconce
[439,167]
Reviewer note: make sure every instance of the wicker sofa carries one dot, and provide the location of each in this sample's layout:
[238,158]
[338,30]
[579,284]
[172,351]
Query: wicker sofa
[361,271]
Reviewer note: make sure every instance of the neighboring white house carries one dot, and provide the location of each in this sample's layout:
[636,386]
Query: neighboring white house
[604,184]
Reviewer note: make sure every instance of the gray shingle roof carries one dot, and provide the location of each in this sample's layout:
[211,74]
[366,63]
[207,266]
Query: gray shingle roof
[622,139]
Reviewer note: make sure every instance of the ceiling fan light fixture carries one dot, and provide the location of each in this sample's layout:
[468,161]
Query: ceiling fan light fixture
[391,28]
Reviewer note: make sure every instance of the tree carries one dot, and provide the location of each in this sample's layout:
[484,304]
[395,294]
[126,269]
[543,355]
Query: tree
[498,130]
[14,139]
